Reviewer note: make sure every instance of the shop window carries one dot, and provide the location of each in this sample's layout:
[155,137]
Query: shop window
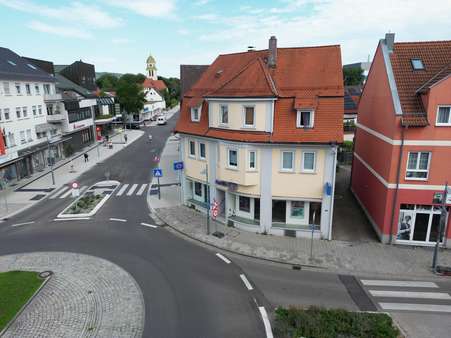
[245,204]
[198,189]
[418,165]
[297,209]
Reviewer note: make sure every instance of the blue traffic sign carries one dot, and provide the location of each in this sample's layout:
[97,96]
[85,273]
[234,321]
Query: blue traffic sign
[178,165]
[157,172]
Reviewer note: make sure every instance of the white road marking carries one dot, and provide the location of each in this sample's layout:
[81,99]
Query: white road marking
[142,189]
[72,219]
[416,307]
[409,284]
[24,223]
[149,225]
[266,322]
[67,193]
[132,190]
[118,219]
[246,282]
[410,294]
[59,192]
[122,190]
[223,258]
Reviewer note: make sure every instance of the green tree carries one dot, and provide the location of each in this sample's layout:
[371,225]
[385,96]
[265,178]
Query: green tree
[353,76]
[172,94]
[130,94]
[107,82]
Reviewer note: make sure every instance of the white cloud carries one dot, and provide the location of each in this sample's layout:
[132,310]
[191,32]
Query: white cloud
[210,17]
[201,2]
[150,8]
[120,41]
[64,31]
[77,13]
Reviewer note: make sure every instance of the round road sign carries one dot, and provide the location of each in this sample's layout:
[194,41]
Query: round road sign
[74,185]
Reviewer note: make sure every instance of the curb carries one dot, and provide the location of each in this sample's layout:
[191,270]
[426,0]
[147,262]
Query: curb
[22,309]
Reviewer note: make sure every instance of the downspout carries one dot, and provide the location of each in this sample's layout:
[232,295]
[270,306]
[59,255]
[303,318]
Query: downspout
[334,174]
[398,175]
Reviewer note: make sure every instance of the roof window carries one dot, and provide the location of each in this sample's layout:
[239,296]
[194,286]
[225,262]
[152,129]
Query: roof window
[417,64]
[31,66]
[11,63]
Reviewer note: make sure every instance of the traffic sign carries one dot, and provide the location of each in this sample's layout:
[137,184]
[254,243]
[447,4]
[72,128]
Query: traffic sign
[178,165]
[157,172]
[75,185]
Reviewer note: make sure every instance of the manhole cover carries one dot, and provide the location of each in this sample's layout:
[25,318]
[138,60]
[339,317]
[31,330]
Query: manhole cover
[45,274]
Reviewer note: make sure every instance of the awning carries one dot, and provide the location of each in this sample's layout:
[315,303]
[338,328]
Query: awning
[305,102]
[105,101]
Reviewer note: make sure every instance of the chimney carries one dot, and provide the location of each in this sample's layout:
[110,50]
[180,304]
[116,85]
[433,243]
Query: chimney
[272,52]
[390,41]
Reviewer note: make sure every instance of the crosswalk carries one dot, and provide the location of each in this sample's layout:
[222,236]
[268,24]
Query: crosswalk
[398,295]
[124,190]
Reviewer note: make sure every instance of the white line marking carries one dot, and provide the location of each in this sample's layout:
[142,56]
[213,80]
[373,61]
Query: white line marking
[59,192]
[118,219]
[72,219]
[410,294]
[409,284]
[67,193]
[416,307]
[142,189]
[24,223]
[149,225]
[132,189]
[122,190]
[246,282]
[266,322]
[223,258]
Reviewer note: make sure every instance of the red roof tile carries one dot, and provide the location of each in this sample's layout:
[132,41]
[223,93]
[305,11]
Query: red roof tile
[155,84]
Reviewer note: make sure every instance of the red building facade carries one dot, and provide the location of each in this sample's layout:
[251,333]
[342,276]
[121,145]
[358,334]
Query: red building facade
[402,156]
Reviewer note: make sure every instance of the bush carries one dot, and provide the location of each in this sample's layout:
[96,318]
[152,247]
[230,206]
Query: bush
[316,322]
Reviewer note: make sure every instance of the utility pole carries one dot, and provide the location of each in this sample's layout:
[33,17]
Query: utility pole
[51,160]
[441,228]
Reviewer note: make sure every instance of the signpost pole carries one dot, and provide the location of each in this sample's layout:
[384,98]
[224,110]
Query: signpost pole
[441,228]
[159,192]
[208,200]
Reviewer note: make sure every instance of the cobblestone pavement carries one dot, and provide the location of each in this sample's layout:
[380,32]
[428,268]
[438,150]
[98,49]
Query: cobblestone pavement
[86,297]
[366,258]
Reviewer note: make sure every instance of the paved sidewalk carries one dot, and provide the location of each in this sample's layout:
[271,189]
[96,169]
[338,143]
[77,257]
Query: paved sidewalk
[39,186]
[86,297]
[363,257]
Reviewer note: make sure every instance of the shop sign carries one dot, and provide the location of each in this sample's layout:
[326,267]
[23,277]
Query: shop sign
[78,126]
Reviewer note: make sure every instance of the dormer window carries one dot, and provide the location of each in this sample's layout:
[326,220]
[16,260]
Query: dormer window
[417,64]
[249,117]
[224,114]
[195,114]
[305,119]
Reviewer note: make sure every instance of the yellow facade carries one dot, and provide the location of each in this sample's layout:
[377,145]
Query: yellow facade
[194,166]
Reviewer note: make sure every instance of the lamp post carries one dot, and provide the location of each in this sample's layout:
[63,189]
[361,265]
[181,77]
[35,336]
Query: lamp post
[440,228]
[51,160]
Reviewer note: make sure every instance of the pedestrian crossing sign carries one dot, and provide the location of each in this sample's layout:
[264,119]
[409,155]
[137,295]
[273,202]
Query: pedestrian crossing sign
[157,172]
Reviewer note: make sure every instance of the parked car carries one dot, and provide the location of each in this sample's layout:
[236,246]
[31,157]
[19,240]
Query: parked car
[161,120]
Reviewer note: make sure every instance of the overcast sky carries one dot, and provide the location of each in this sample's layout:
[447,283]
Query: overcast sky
[118,35]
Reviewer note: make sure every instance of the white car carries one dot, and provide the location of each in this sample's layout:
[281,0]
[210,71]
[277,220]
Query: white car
[161,120]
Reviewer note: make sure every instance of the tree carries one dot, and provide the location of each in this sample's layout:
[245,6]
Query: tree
[130,94]
[172,95]
[107,82]
[353,76]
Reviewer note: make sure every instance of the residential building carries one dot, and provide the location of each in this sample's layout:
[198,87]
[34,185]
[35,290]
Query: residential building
[263,126]
[154,90]
[189,74]
[79,72]
[403,141]
[30,142]
[351,101]
[363,66]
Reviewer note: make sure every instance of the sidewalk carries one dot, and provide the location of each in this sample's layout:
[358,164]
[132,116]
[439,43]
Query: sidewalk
[35,188]
[365,258]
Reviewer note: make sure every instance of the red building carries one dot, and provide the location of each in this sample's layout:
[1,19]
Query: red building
[402,155]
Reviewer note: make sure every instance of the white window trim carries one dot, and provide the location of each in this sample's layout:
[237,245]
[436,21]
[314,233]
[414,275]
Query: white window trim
[200,153]
[221,123]
[308,171]
[439,124]
[249,160]
[298,118]
[199,111]
[418,163]
[228,158]
[248,126]
[189,149]
[293,162]
[299,221]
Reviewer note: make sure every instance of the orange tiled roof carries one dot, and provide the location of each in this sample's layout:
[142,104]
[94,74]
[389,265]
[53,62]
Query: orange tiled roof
[435,55]
[307,73]
[155,84]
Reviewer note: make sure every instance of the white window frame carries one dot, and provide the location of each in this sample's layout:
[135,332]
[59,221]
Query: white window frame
[443,124]
[248,126]
[200,151]
[24,112]
[28,89]
[299,115]
[199,111]
[18,112]
[37,89]
[228,158]
[417,166]
[303,169]
[40,110]
[249,160]
[18,87]
[221,122]
[23,137]
[6,114]
[6,88]
[292,162]
[189,149]
[34,110]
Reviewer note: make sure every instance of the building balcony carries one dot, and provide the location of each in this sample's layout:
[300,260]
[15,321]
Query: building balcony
[56,118]
[52,97]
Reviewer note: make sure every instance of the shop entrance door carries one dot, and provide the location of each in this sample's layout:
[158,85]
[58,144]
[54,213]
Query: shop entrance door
[420,229]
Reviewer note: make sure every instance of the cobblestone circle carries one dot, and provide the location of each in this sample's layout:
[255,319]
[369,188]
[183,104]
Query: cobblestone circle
[86,297]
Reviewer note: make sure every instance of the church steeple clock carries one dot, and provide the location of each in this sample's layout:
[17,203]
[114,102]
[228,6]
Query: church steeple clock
[151,68]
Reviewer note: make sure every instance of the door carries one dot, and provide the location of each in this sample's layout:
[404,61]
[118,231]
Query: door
[420,229]
[257,208]
[279,211]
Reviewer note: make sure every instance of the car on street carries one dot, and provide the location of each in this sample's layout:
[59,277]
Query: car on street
[161,120]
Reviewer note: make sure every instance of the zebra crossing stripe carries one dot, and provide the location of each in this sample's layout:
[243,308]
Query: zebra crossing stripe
[141,190]
[67,193]
[409,294]
[408,284]
[122,190]
[132,190]
[416,307]
[59,192]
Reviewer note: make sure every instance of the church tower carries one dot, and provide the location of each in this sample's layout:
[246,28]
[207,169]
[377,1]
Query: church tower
[151,68]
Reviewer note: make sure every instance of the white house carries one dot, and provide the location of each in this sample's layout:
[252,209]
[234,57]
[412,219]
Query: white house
[154,90]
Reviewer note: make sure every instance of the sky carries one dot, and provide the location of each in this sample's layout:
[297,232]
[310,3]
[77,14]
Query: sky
[118,35]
